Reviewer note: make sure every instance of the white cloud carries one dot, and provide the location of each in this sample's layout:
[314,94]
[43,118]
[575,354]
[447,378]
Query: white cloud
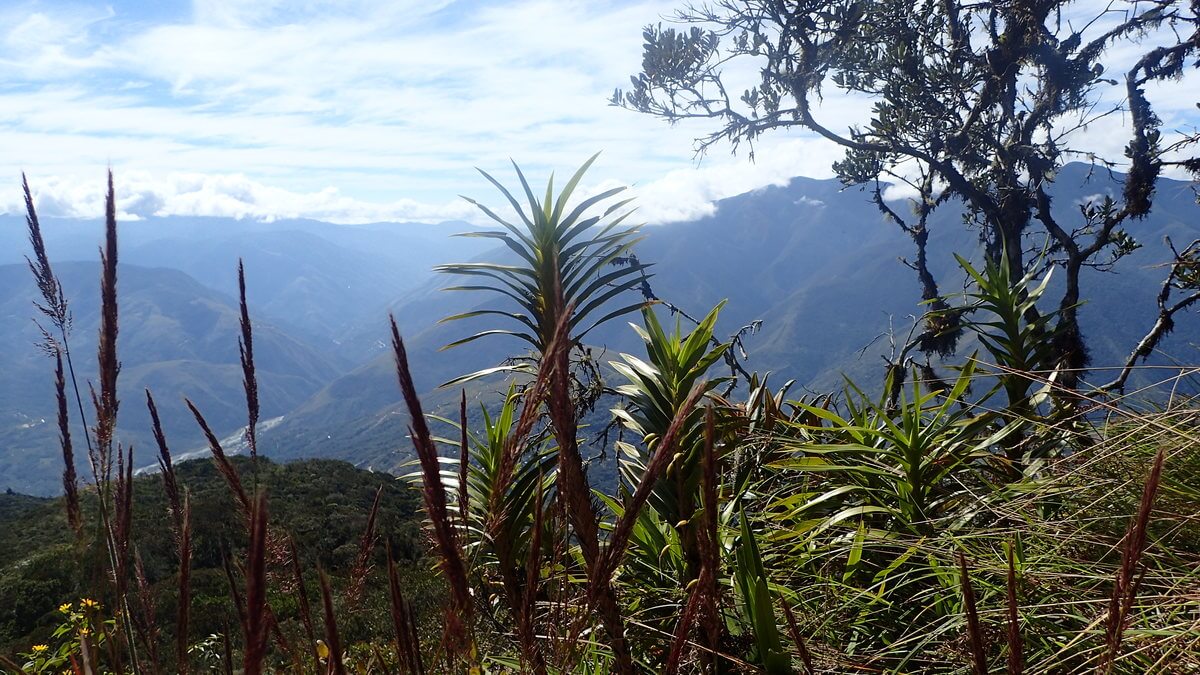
[357,110]
[682,194]
[141,195]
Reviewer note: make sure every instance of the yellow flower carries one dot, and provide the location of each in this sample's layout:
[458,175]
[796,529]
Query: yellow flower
[322,649]
[65,608]
[38,649]
[85,631]
[88,603]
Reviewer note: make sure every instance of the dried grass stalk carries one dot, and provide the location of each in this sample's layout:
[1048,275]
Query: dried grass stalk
[526,623]
[798,638]
[70,480]
[707,542]
[1016,655]
[305,606]
[123,520]
[574,493]
[235,595]
[106,401]
[148,626]
[434,493]
[336,667]
[366,547]
[408,646]
[464,459]
[979,664]
[185,587]
[258,616]
[679,641]
[663,454]
[166,468]
[224,466]
[1125,586]
[249,378]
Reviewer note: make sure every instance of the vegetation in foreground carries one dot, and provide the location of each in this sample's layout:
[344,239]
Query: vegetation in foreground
[996,514]
[979,519]
[323,505]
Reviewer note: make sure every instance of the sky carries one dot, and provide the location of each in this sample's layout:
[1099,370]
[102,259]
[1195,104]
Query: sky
[364,111]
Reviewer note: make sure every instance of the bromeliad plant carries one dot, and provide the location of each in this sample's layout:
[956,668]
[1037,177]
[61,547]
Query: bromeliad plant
[565,259]
[655,392]
[1020,340]
[911,468]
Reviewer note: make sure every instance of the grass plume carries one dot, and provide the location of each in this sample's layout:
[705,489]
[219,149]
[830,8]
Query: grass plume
[434,493]
[1125,587]
[70,481]
[366,547]
[249,377]
[979,665]
[221,460]
[332,639]
[258,617]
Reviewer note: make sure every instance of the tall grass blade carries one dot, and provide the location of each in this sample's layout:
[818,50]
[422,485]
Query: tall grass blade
[258,617]
[1126,583]
[70,481]
[366,547]
[336,666]
[221,460]
[979,664]
[434,493]
[1016,650]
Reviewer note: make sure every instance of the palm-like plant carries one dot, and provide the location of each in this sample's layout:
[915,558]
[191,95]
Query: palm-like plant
[566,259]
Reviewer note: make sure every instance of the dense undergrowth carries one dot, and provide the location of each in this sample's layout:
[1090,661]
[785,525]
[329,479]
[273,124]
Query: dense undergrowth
[984,518]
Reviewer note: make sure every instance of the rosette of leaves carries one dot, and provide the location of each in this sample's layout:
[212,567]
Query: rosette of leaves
[572,259]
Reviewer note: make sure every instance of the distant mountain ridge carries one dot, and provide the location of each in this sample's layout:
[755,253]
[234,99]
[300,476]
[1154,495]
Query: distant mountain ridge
[815,262]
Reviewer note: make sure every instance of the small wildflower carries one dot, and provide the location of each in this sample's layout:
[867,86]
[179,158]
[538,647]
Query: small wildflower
[65,608]
[38,649]
[85,631]
[322,649]
[88,603]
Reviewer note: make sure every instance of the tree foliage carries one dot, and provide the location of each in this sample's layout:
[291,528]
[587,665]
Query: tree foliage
[974,102]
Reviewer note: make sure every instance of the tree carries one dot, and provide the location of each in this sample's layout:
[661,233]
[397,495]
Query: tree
[973,102]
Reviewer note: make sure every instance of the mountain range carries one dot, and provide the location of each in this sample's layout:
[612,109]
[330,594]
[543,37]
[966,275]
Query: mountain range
[813,261]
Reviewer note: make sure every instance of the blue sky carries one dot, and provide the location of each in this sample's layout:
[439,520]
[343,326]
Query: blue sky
[359,110]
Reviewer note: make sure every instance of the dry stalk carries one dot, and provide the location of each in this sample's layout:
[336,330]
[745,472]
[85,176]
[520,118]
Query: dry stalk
[258,621]
[249,379]
[305,606]
[224,466]
[70,481]
[366,546]
[408,646]
[974,631]
[434,493]
[332,639]
[1126,583]
[1016,656]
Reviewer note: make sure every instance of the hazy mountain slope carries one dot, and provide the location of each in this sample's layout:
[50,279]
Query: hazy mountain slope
[177,338]
[814,262]
[316,279]
[817,264]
